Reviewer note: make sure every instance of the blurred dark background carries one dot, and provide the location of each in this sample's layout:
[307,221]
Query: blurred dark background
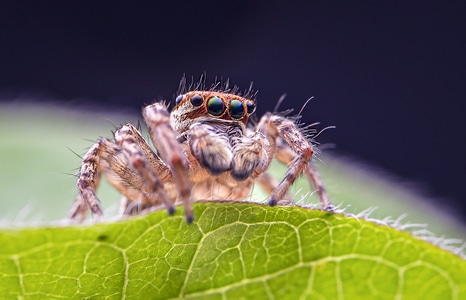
[390,75]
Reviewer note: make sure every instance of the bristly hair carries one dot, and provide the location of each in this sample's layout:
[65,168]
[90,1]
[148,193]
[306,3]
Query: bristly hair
[308,130]
[219,85]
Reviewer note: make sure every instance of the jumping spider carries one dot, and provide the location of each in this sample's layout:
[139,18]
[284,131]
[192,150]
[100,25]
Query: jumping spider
[204,150]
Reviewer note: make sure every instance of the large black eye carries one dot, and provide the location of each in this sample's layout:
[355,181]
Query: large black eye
[215,106]
[178,99]
[196,100]
[251,107]
[236,109]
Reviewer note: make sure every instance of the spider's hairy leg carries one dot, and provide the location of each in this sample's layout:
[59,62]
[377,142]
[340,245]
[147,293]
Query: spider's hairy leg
[211,147]
[155,163]
[79,209]
[276,126]
[87,184]
[268,183]
[165,141]
[285,155]
[108,158]
[131,143]
[314,178]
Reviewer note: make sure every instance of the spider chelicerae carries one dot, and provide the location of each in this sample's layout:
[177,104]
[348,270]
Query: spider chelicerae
[204,150]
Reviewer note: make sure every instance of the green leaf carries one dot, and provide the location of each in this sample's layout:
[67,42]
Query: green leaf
[233,250]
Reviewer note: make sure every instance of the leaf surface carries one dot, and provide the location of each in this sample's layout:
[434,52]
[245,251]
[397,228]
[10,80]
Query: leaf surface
[232,250]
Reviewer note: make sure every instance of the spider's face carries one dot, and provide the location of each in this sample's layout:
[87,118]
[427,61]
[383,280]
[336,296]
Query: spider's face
[209,105]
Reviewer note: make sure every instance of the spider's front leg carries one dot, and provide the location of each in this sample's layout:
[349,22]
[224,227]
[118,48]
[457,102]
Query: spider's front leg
[298,156]
[145,163]
[285,155]
[89,179]
[165,141]
[130,166]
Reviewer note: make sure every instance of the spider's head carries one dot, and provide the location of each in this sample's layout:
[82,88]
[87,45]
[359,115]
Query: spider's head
[196,105]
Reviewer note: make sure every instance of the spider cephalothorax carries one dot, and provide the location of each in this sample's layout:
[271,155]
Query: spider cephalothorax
[203,150]
[201,105]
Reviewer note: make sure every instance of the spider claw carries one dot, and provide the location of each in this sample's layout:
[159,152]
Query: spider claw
[189,219]
[329,208]
[171,210]
[273,202]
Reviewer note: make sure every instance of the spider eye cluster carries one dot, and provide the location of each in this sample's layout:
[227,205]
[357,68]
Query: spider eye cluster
[217,105]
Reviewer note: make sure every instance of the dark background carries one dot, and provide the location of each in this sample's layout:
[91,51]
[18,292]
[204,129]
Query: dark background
[391,75]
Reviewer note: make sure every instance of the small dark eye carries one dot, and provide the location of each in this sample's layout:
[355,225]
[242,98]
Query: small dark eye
[251,107]
[178,99]
[236,109]
[215,106]
[196,100]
